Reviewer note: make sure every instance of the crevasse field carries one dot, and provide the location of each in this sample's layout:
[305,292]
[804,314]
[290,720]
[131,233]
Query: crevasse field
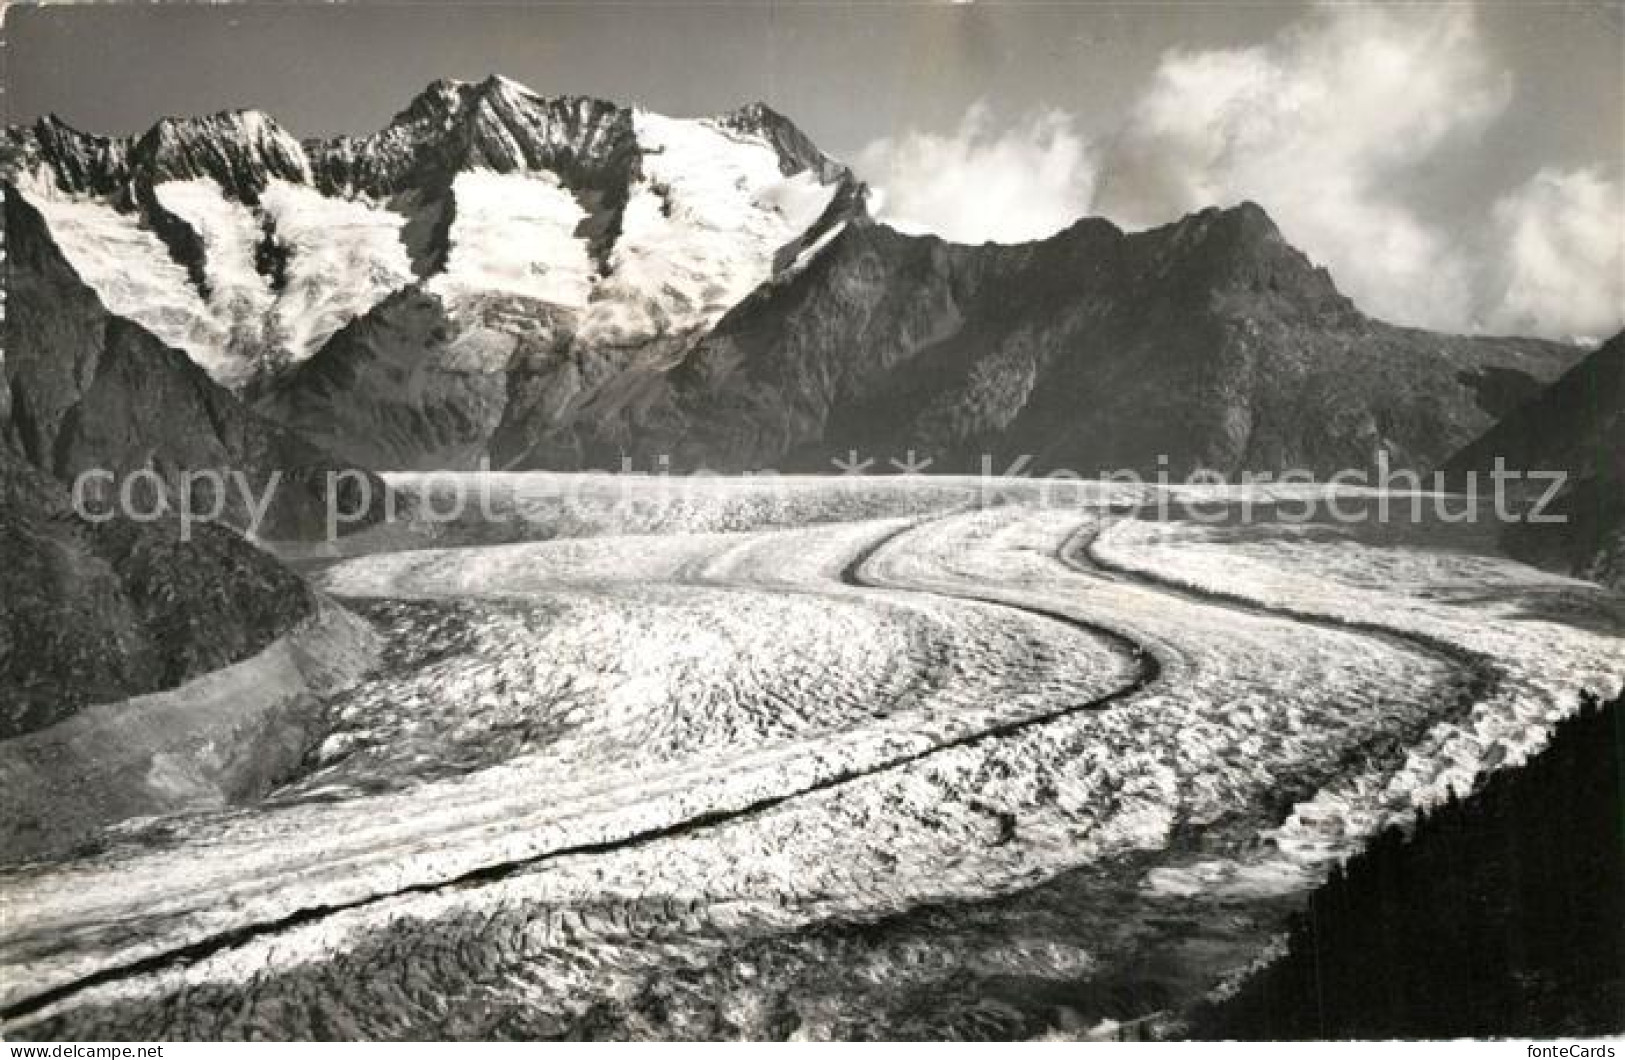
[797,757]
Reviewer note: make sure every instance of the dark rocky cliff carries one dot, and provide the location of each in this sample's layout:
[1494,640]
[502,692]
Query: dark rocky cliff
[1500,915]
[1210,341]
[1576,426]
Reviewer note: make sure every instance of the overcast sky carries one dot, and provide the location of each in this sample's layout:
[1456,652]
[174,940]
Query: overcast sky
[1454,165]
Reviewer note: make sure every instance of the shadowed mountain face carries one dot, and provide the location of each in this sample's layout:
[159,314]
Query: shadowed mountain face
[569,284]
[1211,341]
[385,392]
[98,611]
[1577,426]
[91,391]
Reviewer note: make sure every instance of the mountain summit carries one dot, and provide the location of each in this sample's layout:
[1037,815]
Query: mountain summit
[567,283]
[232,240]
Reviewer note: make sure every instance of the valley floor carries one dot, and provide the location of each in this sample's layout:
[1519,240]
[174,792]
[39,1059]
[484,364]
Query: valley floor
[813,757]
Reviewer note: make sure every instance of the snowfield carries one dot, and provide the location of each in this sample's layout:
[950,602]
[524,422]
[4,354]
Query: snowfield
[528,261]
[812,757]
[131,270]
[342,258]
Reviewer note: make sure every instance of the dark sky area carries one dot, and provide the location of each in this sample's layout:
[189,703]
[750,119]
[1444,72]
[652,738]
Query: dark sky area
[847,73]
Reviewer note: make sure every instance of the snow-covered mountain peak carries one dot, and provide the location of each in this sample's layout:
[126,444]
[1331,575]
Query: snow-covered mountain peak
[241,151]
[498,84]
[795,150]
[51,153]
[496,124]
[247,248]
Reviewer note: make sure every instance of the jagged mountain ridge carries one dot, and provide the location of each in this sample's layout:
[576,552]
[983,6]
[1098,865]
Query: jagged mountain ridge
[1210,341]
[252,247]
[567,283]
[1576,426]
[89,391]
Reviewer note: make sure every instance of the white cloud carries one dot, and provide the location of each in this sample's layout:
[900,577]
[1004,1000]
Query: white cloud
[1321,126]
[1328,126]
[1558,266]
[982,182]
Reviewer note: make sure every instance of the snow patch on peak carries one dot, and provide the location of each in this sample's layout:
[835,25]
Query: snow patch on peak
[508,86]
[515,233]
[240,297]
[796,152]
[514,251]
[344,257]
[701,227]
[811,252]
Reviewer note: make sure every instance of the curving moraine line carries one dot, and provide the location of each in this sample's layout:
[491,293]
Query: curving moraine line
[1080,553]
[1147,670]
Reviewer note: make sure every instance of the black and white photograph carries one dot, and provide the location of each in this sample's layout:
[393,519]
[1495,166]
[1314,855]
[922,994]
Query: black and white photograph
[796,520]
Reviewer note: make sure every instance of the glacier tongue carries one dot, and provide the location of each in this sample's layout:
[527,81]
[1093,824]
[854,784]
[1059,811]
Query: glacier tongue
[699,231]
[343,257]
[515,233]
[513,252]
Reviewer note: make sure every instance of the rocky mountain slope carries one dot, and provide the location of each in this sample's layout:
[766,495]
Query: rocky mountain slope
[534,220]
[1576,425]
[566,283]
[1210,341]
[90,390]
[1495,916]
[92,612]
